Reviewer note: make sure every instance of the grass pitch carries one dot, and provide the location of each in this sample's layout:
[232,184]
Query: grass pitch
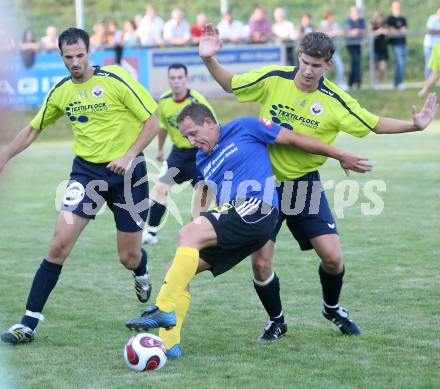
[392,288]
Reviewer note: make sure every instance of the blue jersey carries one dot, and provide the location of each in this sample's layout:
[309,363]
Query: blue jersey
[239,165]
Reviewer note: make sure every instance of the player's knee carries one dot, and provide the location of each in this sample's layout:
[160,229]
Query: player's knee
[188,235]
[129,258]
[332,261]
[262,267]
[58,250]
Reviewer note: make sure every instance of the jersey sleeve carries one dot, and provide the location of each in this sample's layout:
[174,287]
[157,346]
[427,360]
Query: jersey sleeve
[263,130]
[49,112]
[251,86]
[353,119]
[135,97]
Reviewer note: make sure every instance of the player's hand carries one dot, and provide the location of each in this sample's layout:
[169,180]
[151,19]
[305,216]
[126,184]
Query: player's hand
[120,165]
[210,42]
[159,155]
[422,119]
[357,164]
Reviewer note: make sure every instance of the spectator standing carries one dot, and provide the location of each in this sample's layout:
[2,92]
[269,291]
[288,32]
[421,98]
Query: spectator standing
[398,29]
[331,27]
[115,39]
[354,34]
[260,27]
[305,25]
[196,28]
[129,36]
[231,30]
[50,40]
[379,30]
[99,37]
[177,30]
[432,36]
[150,28]
[28,48]
[284,31]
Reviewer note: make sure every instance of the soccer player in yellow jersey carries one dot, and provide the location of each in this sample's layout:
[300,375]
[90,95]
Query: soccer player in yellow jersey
[112,120]
[301,98]
[180,165]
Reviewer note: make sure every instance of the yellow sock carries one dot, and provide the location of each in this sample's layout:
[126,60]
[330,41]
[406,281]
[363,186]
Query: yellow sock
[172,337]
[178,277]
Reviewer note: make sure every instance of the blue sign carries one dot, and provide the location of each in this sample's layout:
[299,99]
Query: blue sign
[267,55]
[27,87]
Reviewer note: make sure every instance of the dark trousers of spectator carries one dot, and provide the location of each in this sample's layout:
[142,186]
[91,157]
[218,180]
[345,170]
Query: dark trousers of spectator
[355,75]
[400,54]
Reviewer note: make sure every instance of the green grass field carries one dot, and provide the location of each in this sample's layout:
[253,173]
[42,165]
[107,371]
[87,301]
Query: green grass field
[392,288]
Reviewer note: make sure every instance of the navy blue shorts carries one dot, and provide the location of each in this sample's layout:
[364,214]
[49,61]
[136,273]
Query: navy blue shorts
[180,167]
[92,184]
[304,207]
[241,229]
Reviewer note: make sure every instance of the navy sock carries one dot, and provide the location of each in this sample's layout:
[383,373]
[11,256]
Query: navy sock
[45,280]
[142,268]
[331,287]
[156,212]
[269,295]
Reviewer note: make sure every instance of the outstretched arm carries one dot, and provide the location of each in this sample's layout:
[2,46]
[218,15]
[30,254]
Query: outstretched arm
[311,145]
[22,141]
[210,44]
[420,120]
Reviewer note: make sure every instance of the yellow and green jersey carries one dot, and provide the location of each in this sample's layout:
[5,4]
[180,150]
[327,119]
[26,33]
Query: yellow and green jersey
[106,112]
[320,114]
[434,62]
[169,110]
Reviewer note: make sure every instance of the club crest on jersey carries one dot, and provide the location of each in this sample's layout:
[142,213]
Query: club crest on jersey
[98,91]
[316,109]
[266,122]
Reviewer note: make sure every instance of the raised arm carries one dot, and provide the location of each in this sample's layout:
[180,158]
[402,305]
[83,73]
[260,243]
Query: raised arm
[210,44]
[21,142]
[420,120]
[311,145]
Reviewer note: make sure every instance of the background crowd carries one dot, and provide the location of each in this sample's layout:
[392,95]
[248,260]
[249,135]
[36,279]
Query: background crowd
[385,34]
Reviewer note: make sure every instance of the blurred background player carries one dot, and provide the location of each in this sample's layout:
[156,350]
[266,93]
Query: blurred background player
[180,165]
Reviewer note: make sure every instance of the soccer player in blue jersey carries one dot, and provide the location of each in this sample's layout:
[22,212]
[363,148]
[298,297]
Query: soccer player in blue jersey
[112,119]
[234,162]
[301,98]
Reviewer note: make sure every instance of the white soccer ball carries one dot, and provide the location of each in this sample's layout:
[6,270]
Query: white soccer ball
[145,352]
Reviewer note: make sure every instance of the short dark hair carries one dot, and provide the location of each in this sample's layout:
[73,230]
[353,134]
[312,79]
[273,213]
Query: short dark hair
[72,35]
[317,45]
[197,112]
[178,65]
